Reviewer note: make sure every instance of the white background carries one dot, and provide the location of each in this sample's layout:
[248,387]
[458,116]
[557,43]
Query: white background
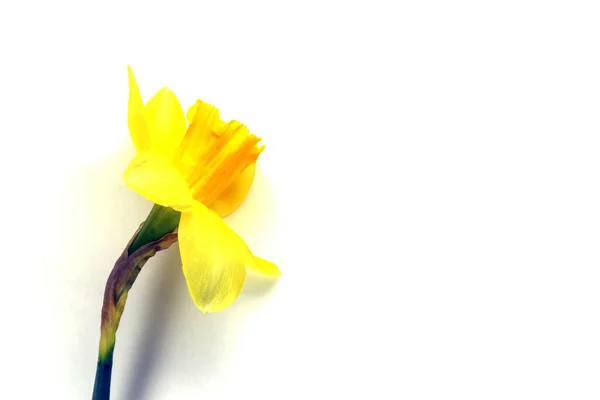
[430,190]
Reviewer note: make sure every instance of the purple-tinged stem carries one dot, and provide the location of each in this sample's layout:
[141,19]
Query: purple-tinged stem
[120,280]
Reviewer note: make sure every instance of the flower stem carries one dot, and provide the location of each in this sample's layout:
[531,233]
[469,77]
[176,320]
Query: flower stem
[102,383]
[160,221]
[120,280]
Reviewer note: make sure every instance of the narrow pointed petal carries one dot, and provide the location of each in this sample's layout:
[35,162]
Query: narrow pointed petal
[155,178]
[234,195]
[166,122]
[214,259]
[138,127]
[265,267]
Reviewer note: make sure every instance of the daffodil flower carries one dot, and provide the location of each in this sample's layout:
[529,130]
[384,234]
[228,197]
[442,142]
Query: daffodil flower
[205,171]
[195,174]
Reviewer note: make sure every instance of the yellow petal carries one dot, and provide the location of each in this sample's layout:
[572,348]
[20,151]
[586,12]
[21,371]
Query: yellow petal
[206,123]
[165,122]
[265,267]
[234,195]
[155,178]
[191,113]
[206,110]
[214,259]
[138,128]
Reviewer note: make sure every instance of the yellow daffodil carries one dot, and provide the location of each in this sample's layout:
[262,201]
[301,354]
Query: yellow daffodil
[205,171]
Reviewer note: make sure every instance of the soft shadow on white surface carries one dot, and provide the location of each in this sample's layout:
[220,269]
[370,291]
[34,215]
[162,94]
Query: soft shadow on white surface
[169,330]
[150,333]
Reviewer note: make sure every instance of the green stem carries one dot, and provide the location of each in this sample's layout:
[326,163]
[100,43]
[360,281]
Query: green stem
[102,383]
[156,233]
[160,221]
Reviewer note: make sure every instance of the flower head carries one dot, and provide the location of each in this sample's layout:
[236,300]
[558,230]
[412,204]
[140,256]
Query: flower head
[204,170]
